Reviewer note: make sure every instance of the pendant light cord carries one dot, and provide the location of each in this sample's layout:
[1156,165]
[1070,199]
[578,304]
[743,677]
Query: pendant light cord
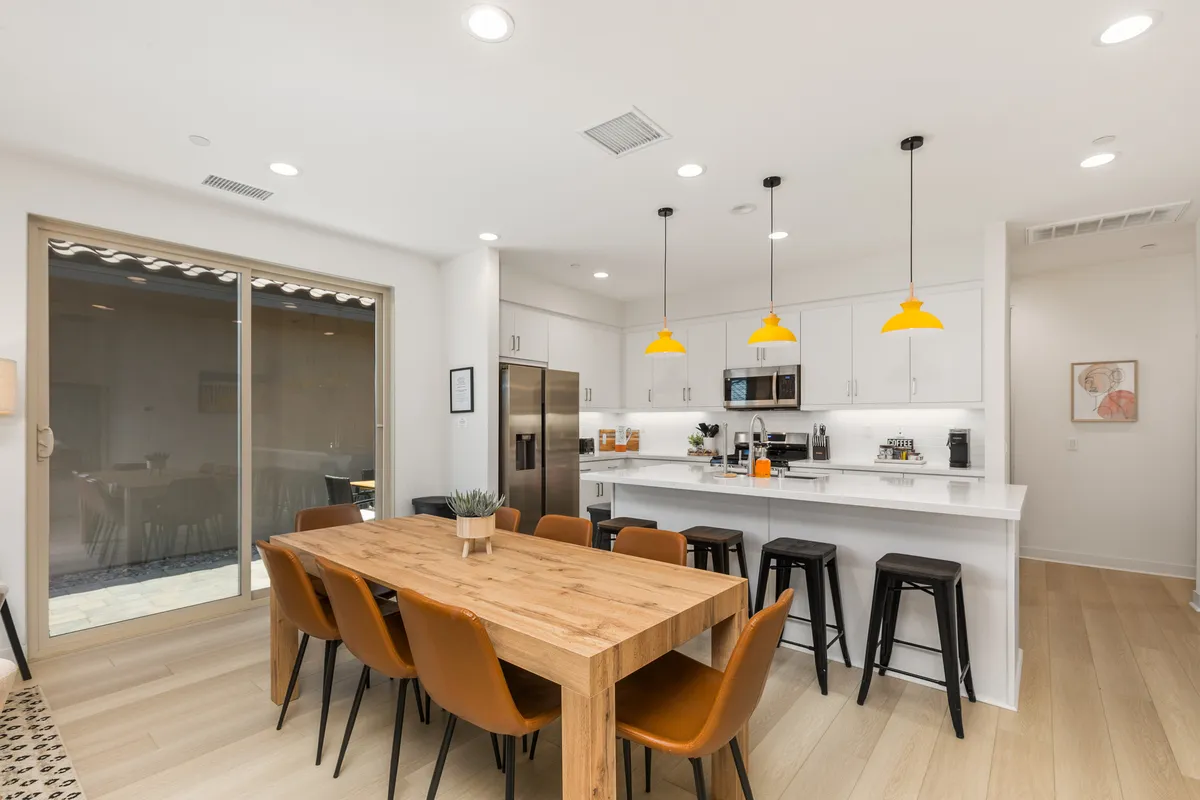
[771,238]
[664,272]
[911,156]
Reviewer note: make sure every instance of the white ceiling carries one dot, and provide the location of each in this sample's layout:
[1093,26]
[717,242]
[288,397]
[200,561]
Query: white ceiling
[410,132]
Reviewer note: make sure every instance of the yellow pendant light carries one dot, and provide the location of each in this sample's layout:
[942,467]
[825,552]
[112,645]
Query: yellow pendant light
[772,334]
[911,318]
[664,345]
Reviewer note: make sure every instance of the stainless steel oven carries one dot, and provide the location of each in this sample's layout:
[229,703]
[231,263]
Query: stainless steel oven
[763,387]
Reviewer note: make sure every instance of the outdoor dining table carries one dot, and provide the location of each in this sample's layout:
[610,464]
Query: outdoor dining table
[580,617]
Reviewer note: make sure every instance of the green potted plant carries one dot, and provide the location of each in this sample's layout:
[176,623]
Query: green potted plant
[695,442]
[475,516]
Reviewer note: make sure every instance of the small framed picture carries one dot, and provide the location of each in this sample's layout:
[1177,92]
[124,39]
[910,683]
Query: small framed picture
[1104,391]
[462,390]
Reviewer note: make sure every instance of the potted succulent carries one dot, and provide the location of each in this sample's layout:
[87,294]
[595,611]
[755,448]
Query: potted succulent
[710,433]
[695,444]
[475,514]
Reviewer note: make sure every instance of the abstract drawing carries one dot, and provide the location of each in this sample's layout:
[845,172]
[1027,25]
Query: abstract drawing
[1104,391]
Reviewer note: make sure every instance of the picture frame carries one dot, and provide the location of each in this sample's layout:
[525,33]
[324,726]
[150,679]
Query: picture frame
[462,390]
[1104,391]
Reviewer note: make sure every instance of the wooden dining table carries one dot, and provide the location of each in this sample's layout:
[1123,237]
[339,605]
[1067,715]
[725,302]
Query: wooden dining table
[580,617]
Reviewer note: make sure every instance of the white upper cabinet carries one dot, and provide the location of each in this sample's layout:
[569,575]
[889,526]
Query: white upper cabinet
[947,366]
[826,356]
[880,361]
[524,333]
[785,355]
[738,354]
[706,364]
[593,351]
[602,373]
[670,375]
[639,373]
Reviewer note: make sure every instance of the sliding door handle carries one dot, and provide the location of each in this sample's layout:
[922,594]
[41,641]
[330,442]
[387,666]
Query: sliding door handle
[45,442]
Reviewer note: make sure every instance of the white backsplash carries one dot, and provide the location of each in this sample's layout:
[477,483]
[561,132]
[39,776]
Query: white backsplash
[855,434]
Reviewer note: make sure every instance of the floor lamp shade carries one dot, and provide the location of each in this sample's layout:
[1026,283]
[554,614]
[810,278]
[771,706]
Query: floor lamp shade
[8,386]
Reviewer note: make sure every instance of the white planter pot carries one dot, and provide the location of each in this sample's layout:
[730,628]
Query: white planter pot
[710,444]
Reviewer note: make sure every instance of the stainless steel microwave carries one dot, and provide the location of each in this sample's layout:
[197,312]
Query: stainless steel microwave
[763,387]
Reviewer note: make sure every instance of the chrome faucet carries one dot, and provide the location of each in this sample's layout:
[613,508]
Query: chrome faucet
[762,442]
[725,448]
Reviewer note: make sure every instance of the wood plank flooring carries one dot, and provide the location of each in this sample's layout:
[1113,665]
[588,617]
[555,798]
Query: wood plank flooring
[1110,708]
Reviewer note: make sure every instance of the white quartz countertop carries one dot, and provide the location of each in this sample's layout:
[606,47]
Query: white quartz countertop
[930,468]
[924,493]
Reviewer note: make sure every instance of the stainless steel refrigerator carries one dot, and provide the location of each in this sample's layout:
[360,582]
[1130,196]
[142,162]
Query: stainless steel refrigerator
[539,442]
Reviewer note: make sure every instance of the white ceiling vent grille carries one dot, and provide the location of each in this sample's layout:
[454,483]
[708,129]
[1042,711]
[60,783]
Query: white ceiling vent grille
[244,189]
[626,134]
[1121,220]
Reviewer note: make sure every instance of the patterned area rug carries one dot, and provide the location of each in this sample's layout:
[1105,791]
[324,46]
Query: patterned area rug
[34,765]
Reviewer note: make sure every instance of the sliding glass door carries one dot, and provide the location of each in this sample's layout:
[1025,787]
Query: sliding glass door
[183,405]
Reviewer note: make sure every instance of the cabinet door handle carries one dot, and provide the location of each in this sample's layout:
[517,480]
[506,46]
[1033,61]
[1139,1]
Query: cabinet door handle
[518,344]
[847,388]
[648,395]
[856,387]
[914,386]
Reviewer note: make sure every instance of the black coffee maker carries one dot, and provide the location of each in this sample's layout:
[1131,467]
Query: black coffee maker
[960,448]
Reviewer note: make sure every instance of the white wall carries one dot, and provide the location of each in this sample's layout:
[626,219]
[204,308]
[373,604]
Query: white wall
[228,225]
[935,264]
[1196,256]
[518,286]
[1127,497]
[471,288]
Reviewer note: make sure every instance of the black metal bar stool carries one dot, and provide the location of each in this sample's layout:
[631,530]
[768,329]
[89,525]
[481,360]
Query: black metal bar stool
[599,512]
[719,543]
[815,558]
[896,573]
[604,533]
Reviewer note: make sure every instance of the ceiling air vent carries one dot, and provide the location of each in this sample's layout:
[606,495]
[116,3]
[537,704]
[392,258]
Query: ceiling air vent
[1121,220]
[244,189]
[626,134]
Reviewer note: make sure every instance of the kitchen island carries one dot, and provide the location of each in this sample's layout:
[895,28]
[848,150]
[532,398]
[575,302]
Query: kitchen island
[975,523]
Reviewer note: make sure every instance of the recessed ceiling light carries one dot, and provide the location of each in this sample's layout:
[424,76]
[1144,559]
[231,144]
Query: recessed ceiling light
[289,305]
[1128,28]
[489,237]
[488,23]
[690,171]
[1104,140]
[329,333]
[1098,160]
[135,278]
[744,208]
[199,141]
[600,275]
[102,308]
[286,170]
[777,235]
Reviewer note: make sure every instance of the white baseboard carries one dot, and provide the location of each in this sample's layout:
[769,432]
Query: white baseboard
[1196,599]
[1110,562]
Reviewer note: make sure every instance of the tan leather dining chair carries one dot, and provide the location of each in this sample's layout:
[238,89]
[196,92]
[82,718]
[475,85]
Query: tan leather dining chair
[685,708]
[312,519]
[508,519]
[310,612]
[380,643]
[460,670]
[572,530]
[657,545]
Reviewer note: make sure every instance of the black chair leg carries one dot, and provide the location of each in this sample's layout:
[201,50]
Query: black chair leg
[524,743]
[741,556]
[814,581]
[427,700]
[649,754]
[326,692]
[721,552]
[358,696]
[11,629]
[496,752]
[943,601]
[764,571]
[891,614]
[741,768]
[964,651]
[399,729]
[835,588]
[783,579]
[287,699]
[533,744]
[510,767]
[627,756]
[698,775]
[441,759]
[701,557]
[872,636]
[416,687]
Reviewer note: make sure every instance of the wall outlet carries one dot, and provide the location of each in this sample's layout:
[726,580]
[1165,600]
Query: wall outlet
[1072,444]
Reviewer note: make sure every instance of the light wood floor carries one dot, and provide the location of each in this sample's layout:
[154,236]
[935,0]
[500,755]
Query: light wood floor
[1110,708]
